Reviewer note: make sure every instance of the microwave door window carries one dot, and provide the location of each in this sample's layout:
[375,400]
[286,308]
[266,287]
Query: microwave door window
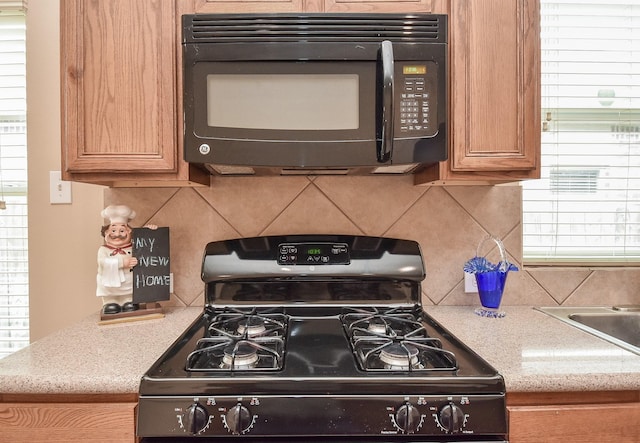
[284,102]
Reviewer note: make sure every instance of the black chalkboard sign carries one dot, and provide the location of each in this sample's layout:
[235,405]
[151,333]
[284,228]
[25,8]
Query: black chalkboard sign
[151,276]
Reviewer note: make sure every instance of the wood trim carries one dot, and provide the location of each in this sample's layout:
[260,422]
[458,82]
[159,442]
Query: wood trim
[243,6]
[378,6]
[68,398]
[571,398]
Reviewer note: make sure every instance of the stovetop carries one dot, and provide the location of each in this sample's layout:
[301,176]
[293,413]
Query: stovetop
[317,330]
[318,349]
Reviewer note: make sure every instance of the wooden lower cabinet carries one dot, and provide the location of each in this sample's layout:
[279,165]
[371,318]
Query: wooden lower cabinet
[610,418]
[67,422]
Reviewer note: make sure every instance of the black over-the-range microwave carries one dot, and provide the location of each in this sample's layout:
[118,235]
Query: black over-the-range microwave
[276,94]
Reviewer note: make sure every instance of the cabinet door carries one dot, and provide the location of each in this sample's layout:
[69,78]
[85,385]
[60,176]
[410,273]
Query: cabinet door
[494,90]
[602,423]
[495,85]
[118,78]
[67,422]
[118,89]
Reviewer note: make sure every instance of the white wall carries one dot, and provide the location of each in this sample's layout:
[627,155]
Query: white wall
[63,239]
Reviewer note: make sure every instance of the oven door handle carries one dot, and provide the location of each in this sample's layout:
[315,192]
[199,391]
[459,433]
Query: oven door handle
[385,143]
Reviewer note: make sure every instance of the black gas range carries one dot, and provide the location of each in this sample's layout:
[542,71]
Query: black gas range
[318,338]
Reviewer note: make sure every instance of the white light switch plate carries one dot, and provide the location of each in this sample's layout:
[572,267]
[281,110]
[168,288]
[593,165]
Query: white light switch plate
[59,190]
[470,284]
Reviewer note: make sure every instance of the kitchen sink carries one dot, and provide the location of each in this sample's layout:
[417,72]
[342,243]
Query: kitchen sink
[618,325]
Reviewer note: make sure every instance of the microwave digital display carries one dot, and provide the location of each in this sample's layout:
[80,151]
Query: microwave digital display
[306,102]
[414,70]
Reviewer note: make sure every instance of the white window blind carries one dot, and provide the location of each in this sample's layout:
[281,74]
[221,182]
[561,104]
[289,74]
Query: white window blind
[14,280]
[586,207]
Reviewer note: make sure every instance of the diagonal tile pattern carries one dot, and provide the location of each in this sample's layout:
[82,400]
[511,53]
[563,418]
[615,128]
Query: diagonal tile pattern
[372,204]
[448,222]
[312,212]
[250,204]
[447,237]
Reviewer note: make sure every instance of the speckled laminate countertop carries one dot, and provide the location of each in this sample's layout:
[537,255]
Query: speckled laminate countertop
[533,351]
[88,358]
[536,352]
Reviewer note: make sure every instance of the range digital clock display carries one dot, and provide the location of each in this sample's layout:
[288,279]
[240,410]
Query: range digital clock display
[313,254]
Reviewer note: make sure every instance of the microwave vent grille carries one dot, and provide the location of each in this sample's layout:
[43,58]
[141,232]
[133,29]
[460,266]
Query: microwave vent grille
[236,28]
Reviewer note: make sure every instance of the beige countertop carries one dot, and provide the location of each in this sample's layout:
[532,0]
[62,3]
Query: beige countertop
[533,351]
[536,352]
[88,358]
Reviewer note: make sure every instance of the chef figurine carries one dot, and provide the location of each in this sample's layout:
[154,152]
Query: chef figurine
[115,261]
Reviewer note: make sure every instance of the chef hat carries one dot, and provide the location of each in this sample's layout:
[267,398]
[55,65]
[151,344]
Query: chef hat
[118,214]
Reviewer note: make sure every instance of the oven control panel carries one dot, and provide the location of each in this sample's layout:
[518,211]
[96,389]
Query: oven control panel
[313,254]
[428,415]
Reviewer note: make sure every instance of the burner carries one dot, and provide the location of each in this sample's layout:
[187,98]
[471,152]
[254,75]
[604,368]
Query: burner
[399,356]
[377,326]
[240,355]
[394,340]
[251,323]
[234,354]
[392,323]
[251,326]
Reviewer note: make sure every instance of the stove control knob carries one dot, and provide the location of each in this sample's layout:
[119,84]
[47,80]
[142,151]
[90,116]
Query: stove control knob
[238,419]
[195,419]
[408,418]
[452,418]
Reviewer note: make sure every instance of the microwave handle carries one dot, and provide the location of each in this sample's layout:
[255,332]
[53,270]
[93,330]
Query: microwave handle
[385,146]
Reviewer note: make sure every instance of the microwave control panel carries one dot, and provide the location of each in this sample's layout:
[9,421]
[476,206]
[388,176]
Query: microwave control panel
[416,89]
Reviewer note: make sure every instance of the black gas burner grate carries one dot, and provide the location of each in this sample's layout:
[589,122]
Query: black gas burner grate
[393,340]
[382,323]
[241,340]
[234,354]
[236,323]
[401,354]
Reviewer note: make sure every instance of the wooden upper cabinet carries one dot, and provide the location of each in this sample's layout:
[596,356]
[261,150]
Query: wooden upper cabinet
[118,63]
[495,93]
[121,86]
